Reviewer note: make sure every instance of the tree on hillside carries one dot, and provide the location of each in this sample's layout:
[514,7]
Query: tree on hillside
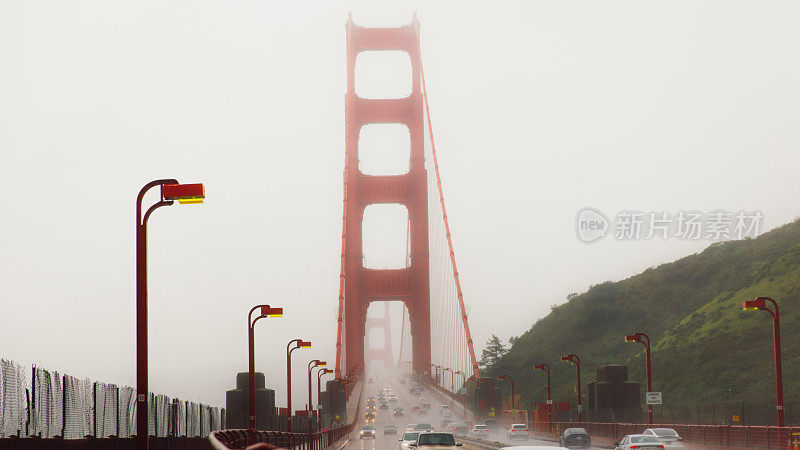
[492,353]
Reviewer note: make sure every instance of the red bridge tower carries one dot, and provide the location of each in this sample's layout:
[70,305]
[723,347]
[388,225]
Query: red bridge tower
[361,286]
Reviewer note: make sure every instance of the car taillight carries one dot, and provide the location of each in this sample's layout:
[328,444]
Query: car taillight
[526,429]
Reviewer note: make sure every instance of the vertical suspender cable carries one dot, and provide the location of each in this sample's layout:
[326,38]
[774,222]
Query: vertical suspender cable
[474,362]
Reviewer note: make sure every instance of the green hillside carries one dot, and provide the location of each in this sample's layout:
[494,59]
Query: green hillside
[703,343]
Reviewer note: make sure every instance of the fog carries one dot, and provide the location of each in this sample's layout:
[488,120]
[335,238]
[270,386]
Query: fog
[540,108]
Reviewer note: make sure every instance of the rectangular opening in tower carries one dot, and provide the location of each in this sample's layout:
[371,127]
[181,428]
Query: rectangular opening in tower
[384,149]
[385,236]
[383,74]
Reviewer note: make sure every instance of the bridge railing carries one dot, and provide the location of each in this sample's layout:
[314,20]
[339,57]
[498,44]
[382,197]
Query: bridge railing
[707,436]
[242,439]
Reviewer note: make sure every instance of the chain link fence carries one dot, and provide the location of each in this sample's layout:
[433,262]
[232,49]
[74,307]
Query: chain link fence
[52,404]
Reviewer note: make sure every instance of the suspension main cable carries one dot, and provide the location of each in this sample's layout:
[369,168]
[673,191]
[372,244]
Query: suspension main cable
[475,369]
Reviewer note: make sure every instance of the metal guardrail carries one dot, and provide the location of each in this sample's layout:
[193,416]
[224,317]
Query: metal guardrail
[707,436]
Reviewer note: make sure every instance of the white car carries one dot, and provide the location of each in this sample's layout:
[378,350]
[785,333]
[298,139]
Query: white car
[667,436]
[517,431]
[435,441]
[367,431]
[638,441]
[479,430]
[408,438]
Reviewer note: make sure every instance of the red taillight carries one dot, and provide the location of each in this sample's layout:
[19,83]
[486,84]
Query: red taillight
[526,429]
[635,446]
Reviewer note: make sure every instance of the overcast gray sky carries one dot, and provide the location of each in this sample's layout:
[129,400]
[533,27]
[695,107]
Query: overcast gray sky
[540,108]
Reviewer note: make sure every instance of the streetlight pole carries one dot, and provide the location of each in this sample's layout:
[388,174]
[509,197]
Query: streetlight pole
[266,311]
[322,372]
[463,376]
[312,364]
[760,303]
[577,362]
[508,378]
[335,402]
[546,368]
[451,377]
[298,343]
[170,191]
[644,339]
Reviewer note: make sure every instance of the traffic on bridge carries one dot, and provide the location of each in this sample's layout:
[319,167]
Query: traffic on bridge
[549,228]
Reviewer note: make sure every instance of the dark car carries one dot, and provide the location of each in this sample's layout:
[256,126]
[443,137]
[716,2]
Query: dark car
[390,429]
[384,405]
[575,438]
[398,411]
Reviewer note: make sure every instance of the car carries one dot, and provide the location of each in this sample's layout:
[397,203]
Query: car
[369,414]
[438,441]
[384,405]
[423,427]
[426,405]
[398,411]
[408,438]
[479,430]
[392,398]
[367,431]
[575,438]
[446,414]
[667,436]
[410,427]
[517,431]
[458,428]
[638,441]
[390,429]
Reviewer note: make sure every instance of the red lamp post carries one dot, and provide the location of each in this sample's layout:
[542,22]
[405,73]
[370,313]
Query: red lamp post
[335,407]
[463,376]
[577,362]
[546,368]
[761,303]
[451,376]
[170,191]
[508,378]
[312,364]
[266,311]
[298,343]
[644,339]
[322,372]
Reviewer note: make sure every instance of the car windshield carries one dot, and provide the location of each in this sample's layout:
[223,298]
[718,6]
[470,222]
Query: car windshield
[481,427]
[665,432]
[410,436]
[423,426]
[436,439]
[639,439]
[367,428]
[519,427]
[390,426]
[575,431]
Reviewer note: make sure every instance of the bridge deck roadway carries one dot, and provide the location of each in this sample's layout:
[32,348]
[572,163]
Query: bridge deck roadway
[407,401]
